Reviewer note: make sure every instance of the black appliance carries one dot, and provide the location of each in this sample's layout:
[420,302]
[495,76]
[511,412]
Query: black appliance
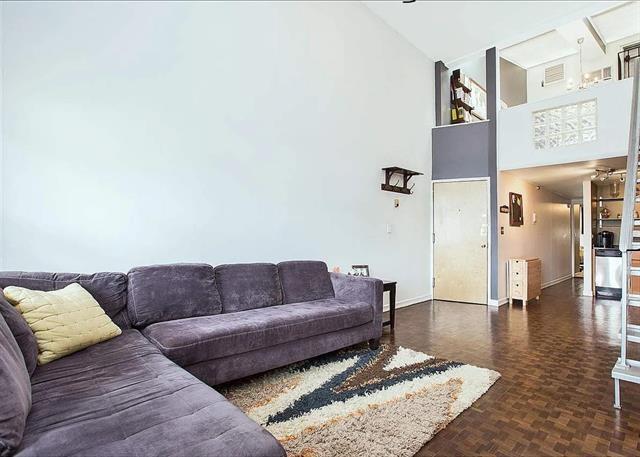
[604,239]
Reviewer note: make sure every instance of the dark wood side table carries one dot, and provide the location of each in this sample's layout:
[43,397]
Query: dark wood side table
[390,286]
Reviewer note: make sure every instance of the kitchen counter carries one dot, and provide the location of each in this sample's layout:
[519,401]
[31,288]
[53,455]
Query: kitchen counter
[614,248]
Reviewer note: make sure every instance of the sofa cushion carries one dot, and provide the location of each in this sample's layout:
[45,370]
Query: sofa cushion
[190,341]
[160,293]
[109,289]
[305,280]
[123,398]
[21,332]
[64,321]
[15,392]
[248,286]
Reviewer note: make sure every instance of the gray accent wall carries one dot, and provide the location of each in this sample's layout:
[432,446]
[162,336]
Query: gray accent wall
[460,151]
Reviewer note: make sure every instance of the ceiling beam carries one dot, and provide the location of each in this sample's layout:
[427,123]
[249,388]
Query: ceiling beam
[595,34]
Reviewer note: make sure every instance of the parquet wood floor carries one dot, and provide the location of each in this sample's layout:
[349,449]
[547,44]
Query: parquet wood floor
[555,396]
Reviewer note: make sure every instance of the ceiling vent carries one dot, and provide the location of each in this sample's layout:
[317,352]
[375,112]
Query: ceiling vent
[554,74]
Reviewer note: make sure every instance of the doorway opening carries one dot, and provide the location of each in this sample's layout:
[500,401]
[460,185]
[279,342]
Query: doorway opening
[570,218]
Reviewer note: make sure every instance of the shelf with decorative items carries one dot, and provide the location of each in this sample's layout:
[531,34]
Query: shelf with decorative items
[608,201]
[460,95]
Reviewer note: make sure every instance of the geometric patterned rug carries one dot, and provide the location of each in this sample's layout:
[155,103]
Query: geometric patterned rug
[388,402]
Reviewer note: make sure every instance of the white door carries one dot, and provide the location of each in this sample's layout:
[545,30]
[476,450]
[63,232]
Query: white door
[460,249]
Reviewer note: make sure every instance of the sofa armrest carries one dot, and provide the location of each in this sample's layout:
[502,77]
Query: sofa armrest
[358,288]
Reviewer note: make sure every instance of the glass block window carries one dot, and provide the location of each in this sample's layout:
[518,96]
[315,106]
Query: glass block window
[565,125]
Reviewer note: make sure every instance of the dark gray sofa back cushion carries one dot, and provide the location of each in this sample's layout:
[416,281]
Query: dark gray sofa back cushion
[108,289]
[21,332]
[15,392]
[159,293]
[305,280]
[246,286]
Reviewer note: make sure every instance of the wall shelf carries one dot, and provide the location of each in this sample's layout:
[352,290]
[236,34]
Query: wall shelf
[406,176]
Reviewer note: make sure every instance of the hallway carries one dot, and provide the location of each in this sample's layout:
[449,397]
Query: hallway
[555,396]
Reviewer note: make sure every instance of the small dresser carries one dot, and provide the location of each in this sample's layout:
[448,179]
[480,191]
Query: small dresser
[525,279]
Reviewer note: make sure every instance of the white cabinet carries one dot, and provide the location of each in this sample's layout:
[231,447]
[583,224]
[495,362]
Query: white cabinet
[525,279]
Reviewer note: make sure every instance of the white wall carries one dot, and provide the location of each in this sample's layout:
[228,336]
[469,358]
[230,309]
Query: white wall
[475,68]
[535,75]
[138,133]
[549,238]
[587,192]
[515,132]
[1,140]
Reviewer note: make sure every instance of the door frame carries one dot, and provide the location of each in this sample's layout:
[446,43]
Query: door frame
[489,228]
[573,203]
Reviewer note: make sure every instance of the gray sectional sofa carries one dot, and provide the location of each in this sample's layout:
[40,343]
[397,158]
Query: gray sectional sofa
[129,395]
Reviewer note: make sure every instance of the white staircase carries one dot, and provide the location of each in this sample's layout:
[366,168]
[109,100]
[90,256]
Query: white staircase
[627,369]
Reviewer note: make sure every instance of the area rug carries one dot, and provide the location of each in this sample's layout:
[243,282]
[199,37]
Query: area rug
[387,402]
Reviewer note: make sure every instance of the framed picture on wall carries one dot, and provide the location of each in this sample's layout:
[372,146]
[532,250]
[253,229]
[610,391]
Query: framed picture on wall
[515,210]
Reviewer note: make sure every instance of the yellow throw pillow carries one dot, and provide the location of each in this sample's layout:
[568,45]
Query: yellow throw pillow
[64,321]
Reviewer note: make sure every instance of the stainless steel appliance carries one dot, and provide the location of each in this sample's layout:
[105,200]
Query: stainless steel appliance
[608,273]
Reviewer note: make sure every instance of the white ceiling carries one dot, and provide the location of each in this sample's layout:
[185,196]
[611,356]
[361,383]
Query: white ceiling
[450,31]
[619,22]
[540,49]
[566,179]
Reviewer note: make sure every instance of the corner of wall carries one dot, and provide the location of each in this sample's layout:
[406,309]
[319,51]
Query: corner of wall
[2,249]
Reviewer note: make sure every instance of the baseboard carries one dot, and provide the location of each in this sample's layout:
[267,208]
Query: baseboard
[556,281]
[499,302]
[553,282]
[408,302]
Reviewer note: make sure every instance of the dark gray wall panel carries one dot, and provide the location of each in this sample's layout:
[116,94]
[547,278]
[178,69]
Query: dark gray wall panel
[492,115]
[443,117]
[460,151]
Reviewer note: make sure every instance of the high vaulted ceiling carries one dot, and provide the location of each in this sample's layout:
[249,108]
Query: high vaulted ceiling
[450,31]
[617,23]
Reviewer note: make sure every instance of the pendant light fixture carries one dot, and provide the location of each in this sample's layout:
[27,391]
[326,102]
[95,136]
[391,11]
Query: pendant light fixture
[582,84]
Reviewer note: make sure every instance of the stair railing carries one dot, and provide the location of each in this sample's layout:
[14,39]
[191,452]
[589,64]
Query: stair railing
[628,206]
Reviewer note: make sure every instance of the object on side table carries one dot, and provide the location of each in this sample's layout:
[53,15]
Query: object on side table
[390,286]
[359,270]
[525,276]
